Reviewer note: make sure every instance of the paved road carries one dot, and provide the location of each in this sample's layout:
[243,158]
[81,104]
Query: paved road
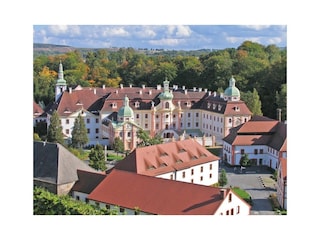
[253,180]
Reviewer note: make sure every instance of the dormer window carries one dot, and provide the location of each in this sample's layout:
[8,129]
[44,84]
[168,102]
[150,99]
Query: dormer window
[114,105]
[214,106]
[137,104]
[236,108]
[219,107]
[188,104]
[209,105]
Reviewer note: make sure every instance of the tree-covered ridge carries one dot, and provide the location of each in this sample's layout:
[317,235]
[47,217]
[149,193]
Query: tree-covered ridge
[254,66]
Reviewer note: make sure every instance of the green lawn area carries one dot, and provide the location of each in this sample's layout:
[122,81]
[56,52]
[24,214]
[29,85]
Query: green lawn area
[112,157]
[243,194]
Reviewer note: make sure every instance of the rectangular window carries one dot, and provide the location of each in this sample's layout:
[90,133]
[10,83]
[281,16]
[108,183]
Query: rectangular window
[97,130]
[238,209]
[201,178]
[88,130]
[227,212]
[171,176]
[191,180]
[210,166]
[192,171]
[256,151]
[261,151]
[137,116]
[157,125]
[230,197]
[242,151]
[231,211]
[67,131]
[146,125]
[201,169]
[146,115]
[183,174]
[189,115]
[197,114]
[97,120]
[197,124]
[122,210]
[107,206]
[67,121]
[128,134]
[88,120]
[78,198]
[210,175]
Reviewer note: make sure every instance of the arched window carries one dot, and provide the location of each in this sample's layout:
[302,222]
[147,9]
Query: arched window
[166,105]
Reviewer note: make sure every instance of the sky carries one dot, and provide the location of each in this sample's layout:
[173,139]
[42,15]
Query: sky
[168,37]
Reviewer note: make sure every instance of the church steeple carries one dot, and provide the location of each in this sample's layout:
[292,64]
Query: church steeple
[61,83]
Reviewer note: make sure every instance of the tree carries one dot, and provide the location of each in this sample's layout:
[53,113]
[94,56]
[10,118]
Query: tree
[244,161]
[97,158]
[223,178]
[146,140]
[79,133]
[55,129]
[118,145]
[281,101]
[253,102]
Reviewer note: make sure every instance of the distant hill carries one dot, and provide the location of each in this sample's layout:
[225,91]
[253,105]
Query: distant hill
[52,49]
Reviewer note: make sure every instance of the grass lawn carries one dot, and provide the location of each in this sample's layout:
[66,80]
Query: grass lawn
[112,157]
[243,194]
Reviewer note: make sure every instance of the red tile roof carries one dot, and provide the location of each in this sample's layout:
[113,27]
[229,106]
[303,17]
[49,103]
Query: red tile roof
[87,181]
[167,157]
[156,195]
[37,110]
[259,132]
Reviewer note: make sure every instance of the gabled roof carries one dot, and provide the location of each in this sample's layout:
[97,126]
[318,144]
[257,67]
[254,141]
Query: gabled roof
[259,131]
[53,163]
[167,157]
[87,181]
[156,195]
[37,110]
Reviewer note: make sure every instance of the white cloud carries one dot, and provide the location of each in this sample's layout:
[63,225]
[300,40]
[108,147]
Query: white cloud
[58,29]
[183,31]
[257,27]
[274,40]
[167,41]
[146,32]
[115,31]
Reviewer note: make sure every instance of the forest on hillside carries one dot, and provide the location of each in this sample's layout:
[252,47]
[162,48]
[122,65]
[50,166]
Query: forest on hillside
[257,69]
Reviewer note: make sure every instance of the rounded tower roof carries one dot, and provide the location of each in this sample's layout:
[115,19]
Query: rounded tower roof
[166,94]
[232,90]
[125,110]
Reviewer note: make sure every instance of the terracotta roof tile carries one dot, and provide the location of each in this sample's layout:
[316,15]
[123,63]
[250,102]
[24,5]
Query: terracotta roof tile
[163,158]
[156,195]
[87,181]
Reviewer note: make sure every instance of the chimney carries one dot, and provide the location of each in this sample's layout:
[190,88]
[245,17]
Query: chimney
[214,93]
[121,86]
[209,93]
[185,91]
[200,89]
[140,92]
[183,87]
[158,87]
[206,90]
[143,86]
[194,89]
[130,85]
[222,193]
[94,91]
[70,90]
[150,92]
[279,114]
[103,86]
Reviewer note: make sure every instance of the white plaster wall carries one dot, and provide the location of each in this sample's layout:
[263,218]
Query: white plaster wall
[235,204]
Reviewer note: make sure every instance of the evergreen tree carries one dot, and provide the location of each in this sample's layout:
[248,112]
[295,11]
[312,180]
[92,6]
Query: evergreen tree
[222,178]
[281,101]
[55,129]
[118,145]
[79,133]
[244,161]
[253,102]
[97,158]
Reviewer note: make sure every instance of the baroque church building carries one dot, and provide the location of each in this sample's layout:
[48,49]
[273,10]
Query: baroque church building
[171,112]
